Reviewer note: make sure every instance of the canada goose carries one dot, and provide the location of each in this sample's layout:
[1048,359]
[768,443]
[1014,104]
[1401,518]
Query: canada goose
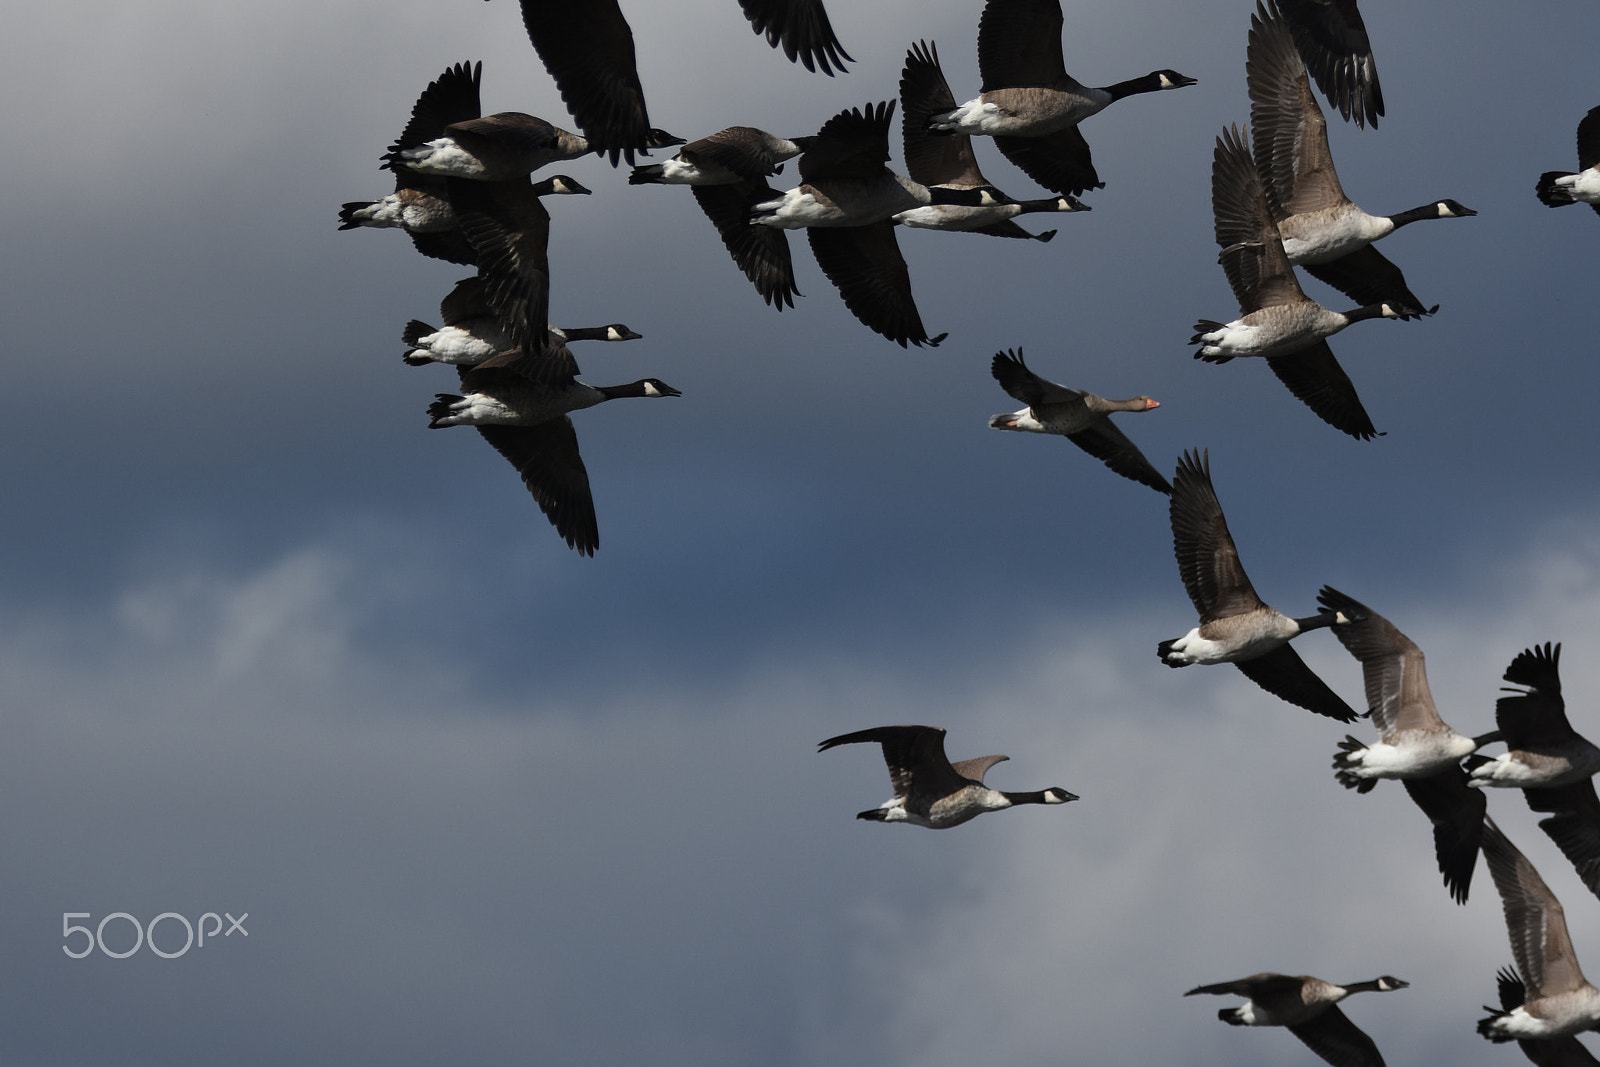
[931,791]
[728,173]
[1415,746]
[845,202]
[1030,105]
[1321,229]
[947,161]
[472,332]
[801,28]
[1080,417]
[1333,41]
[1546,1052]
[1309,1007]
[1557,188]
[1235,626]
[520,404]
[1560,1001]
[587,48]
[418,204]
[1279,321]
[1548,760]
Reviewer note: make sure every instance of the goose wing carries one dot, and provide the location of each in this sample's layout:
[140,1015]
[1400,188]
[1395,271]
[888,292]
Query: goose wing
[864,263]
[1546,1052]
[1047,399]
[465,301]
[1367,277]
[1317,380]
[588,50]
[932,159]
[1290,134]
[762,252]
[915,757]
[1285,675]
[975,769]
[1535,921]
[1332,39]
[801,29]
[1059,161]
[744,150]
[1574,825]
[1266,986]
[1252,253]
[1456,811]
[1019,44]
[852,144]
[509,229]
[450,98]
[1392,666]
[1589,139]
[1111,446]
[1535,719]
[1331,1035]
[546,456]
[1207,559]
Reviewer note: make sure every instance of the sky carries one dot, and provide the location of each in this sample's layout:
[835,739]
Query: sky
[270,646]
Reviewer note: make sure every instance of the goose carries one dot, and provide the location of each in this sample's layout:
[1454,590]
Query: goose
[1558,188]
[587,48]
[1309,1007]
[1321,229]
[1030,105]
[1415,746]
[520,405]
[1546,1052]
[1278,321]
[931,791]
[1081,417]
[1235,626]
[472,332]
[1550,762]
[947,161]
[801,29]
[496,148]
[1332,39]
[1559,1000]
[728,172]
[846,202]
[418,204]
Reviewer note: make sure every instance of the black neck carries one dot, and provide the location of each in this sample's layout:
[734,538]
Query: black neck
[1147,84]
[1315,622]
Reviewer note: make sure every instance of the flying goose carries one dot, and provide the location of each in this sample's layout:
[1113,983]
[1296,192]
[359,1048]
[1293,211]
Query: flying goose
[472,332]
[1321,229]
[418,204]
[1560,1001]
[931,791]
[846,202]
[1279,321]
[519,403]
[1415,745]
[1557,188]
[1546,1052]
[801,29]
[1235,626]
[1309,1007]
[1333,41]
[587,48]
[1081,417]
[1548,760]
[1030,105]
[946,160]
[728,172]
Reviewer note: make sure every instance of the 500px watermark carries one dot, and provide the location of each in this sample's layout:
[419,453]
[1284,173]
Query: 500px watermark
[146,935]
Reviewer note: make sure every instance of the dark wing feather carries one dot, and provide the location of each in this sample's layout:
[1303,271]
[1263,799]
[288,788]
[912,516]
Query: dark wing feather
[1207,559]
[546,455]
[1285,675]
[509,229]
[1019,44]
[588,50]
[1108,444]
[932,159]
[1574,825]
[451,246]
[1252,254]
[450,98]
[762,252]
[1336,1039]
[915,757]
[1266,986]
[801,28]
[852,144]
[1315,377]
[864,263]
[1059,161]
[465,301]
[1535,921]
[1332,39]
[1367,277]
[1589,140]
[1536,719]
[1456,811]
